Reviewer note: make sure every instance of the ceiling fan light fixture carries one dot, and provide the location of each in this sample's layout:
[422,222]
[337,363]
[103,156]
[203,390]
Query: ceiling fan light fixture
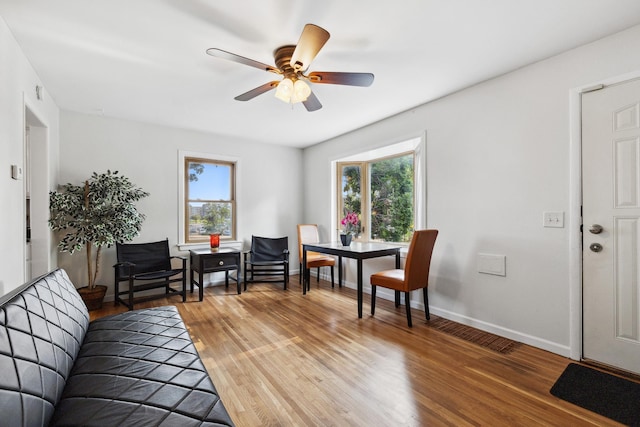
[301,92]
[292,92]
[284,90]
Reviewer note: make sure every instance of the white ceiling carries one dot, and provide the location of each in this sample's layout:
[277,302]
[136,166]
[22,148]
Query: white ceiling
[145,59]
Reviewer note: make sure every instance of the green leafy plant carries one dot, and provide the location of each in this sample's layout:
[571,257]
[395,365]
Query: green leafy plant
[98,213]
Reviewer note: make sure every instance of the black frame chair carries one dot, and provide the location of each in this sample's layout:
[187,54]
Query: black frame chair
[147,266]
[268,257]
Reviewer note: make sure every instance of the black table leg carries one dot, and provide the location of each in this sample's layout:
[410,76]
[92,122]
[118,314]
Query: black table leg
[397,267]
[304,271]
[359,289]
[201,277]
[190,273]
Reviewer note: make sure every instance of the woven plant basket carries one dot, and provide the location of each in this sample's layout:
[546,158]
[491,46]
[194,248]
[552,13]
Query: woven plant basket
[93,297]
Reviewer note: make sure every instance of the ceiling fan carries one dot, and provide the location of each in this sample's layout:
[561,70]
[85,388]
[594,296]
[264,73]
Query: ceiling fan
[292,61]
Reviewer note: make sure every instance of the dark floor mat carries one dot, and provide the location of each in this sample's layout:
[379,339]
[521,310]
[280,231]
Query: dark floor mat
[605,394]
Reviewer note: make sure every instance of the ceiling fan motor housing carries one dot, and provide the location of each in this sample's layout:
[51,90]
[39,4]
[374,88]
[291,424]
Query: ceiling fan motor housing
[282,56]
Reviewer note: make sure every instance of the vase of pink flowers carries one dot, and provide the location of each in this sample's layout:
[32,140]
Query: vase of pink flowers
[349,228]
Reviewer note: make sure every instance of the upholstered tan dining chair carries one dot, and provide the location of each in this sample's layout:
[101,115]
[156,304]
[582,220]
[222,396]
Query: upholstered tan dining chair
[414,276]
[308,233]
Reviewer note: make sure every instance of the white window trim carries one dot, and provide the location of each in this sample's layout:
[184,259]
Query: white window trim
[418,145]
[182,154]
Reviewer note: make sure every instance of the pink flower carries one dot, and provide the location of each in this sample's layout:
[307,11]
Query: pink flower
[350,223]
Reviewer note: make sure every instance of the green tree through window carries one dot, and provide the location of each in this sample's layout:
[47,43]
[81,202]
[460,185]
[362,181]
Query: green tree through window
[351,194]
[381,192]
[392,199]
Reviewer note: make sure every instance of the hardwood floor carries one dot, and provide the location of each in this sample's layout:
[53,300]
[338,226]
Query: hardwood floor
[279,358]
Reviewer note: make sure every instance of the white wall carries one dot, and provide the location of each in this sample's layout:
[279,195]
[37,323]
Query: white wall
[268,179]
[18,81]
[498,155]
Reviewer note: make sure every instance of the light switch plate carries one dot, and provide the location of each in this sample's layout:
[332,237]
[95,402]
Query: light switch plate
[553,219]
[16,172]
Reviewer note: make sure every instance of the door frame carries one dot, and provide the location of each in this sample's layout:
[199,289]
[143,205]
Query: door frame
[42,245]
[575,207]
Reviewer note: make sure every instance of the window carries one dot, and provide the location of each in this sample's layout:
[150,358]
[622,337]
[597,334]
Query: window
[209,199]
[351,183]
[383,186]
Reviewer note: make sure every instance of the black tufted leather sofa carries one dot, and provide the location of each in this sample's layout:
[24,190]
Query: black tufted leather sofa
[138,368]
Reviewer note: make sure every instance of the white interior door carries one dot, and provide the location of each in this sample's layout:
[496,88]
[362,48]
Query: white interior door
[611,202]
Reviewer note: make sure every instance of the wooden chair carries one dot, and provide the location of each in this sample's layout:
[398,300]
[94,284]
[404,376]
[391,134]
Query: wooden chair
[147,266]
[308,233]
[414,276]
[268,257]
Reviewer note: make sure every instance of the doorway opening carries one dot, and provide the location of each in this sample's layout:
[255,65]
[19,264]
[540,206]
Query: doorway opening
[37,237]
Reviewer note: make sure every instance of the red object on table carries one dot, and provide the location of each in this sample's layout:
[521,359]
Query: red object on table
[214,240]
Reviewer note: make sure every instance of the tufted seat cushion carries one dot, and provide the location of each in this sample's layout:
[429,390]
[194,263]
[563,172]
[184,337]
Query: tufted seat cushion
[140,368]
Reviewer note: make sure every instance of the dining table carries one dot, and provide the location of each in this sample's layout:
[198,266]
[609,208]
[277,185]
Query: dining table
[356,250]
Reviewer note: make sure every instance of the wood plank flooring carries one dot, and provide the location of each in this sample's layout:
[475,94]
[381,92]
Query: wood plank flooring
[279,358]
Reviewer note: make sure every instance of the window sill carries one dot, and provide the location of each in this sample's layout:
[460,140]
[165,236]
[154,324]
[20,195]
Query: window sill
[404,247]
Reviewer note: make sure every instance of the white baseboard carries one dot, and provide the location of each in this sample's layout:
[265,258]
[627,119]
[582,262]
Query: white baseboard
[562,350]
[417,303]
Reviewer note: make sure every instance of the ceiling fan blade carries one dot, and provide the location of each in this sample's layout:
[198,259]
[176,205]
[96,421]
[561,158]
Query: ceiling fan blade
[312,103]
[219,53]
[311,41]
[257,91]
[349,79]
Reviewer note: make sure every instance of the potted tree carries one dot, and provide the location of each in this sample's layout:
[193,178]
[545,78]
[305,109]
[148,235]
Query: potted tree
[98,213]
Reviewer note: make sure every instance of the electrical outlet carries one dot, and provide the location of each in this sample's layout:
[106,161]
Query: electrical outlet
[553,219]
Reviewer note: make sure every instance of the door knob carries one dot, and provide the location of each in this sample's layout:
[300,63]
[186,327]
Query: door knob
[595,247]
[595,229]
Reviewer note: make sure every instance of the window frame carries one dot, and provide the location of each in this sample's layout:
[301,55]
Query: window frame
[365,191]
[412,145]
[184,157]
[340,200]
